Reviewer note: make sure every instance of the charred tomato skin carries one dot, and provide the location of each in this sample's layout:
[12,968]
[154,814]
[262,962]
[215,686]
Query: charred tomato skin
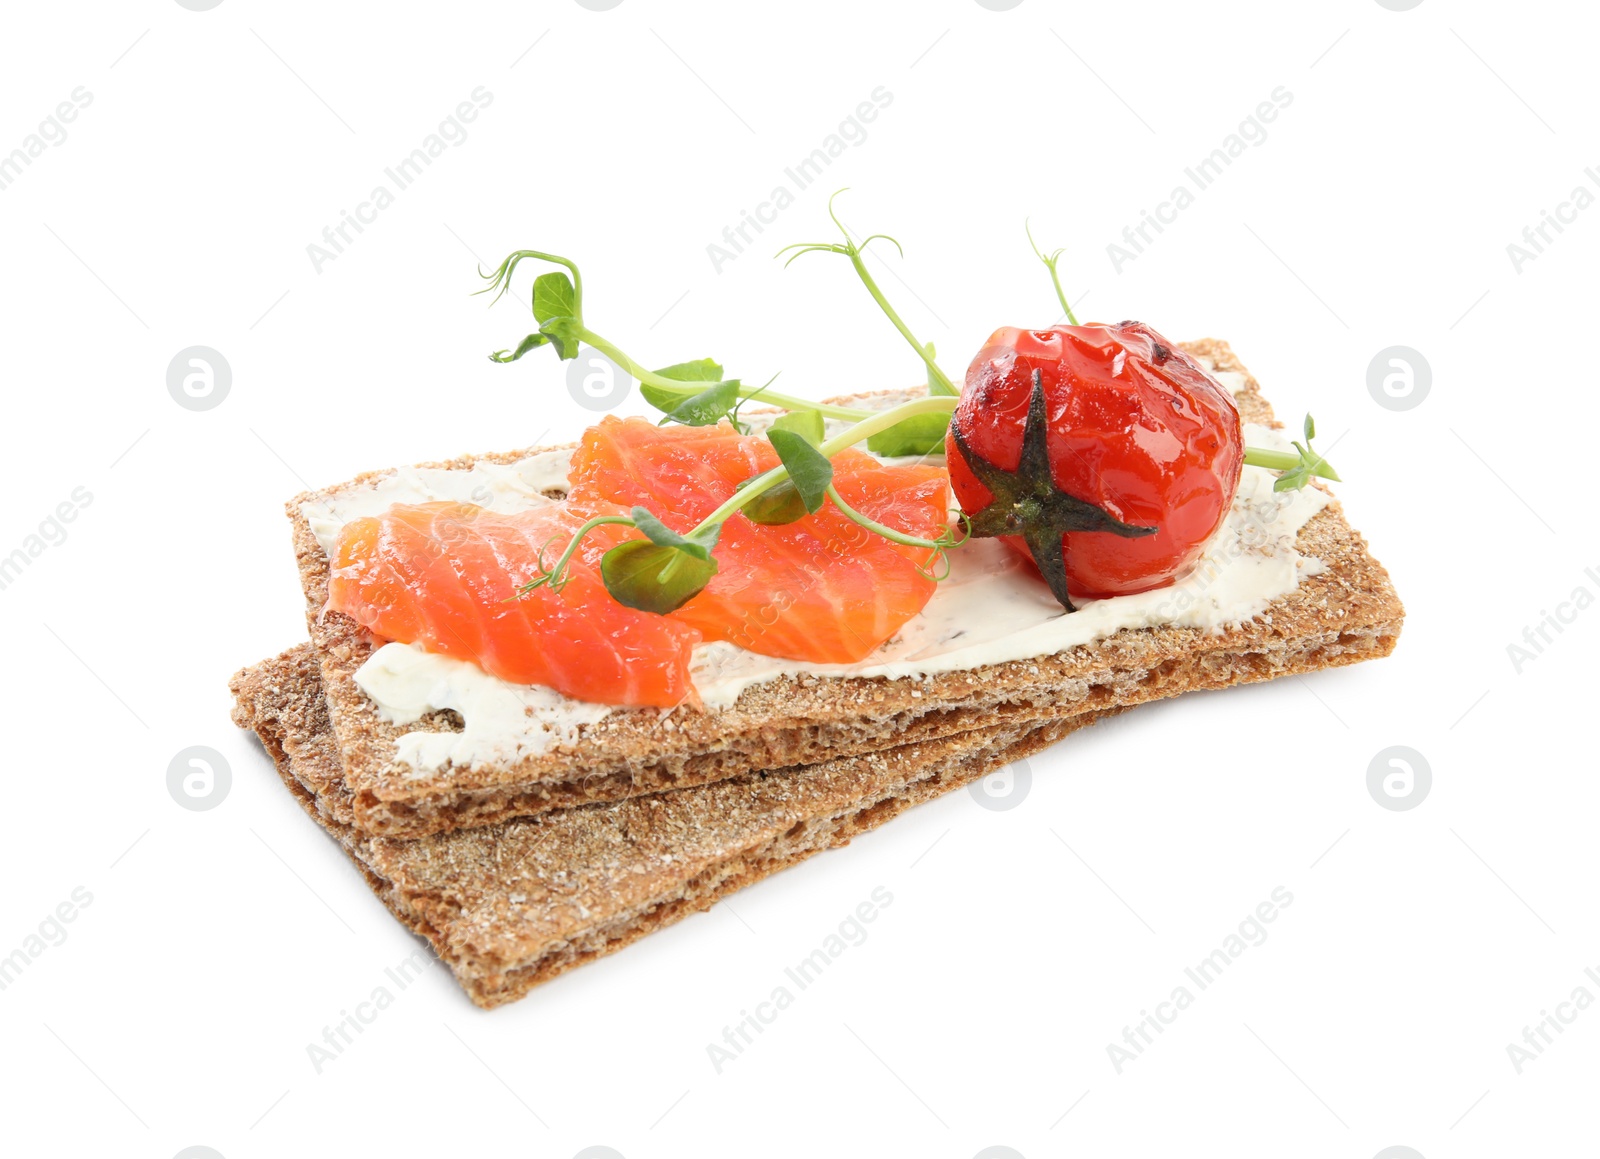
[1135,426]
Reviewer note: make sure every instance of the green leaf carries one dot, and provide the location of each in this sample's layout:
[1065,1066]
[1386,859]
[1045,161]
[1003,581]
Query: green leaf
[697,370]
[651,577]
[700,370]
[565,335]
[794,436]
[1310,428]
[807,424]
[809,469]
[776,506]
[554,297]
[917,435]
[1293,479]
[531,342]
[659,533]
[707,407]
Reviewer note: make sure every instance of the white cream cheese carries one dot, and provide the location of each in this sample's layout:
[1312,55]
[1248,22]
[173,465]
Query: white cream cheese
[988,611]
[503,722]
[499,486]
[1230,380]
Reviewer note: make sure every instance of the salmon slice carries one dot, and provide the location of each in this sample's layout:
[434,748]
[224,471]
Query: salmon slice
[444,575]
[822,589]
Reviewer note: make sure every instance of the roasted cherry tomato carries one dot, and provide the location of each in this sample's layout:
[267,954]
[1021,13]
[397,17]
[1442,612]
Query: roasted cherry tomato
[1105,453]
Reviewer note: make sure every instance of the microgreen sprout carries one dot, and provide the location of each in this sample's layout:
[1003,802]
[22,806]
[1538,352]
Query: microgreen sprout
[558,308]
[555,578]
[1298,467]
[665,569]
[1050,261]
[938,382]
[937,566]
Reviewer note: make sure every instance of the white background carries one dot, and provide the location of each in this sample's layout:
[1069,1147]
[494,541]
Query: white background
[1377,212]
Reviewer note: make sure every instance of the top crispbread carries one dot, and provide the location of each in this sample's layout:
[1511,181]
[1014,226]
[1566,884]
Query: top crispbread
[1347,613]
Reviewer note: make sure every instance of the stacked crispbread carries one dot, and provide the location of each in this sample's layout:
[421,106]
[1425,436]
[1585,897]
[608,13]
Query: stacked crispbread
[510,905]
[516,872]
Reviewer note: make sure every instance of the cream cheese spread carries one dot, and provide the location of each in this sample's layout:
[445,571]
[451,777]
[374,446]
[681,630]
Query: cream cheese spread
[989,610]
[498,486]
[503,722]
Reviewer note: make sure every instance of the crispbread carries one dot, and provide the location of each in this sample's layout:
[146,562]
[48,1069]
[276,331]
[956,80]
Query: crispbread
[512,905]
[1347,613]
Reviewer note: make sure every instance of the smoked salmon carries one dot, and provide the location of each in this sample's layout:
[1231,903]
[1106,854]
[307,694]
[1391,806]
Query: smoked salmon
[445,575]
[822,589]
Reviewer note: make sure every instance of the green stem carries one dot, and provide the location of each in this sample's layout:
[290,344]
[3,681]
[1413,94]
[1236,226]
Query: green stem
[651,378]
[552,577]
[884,530]
[1050,261]
[938,382]
[880,421]
[1288,460]
[1061,295]
[502,276]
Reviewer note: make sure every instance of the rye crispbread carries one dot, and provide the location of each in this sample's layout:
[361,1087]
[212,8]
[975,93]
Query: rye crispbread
[1347,613]
[512,905]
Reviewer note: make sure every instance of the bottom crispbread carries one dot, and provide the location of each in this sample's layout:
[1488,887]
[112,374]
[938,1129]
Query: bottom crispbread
[512,905]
